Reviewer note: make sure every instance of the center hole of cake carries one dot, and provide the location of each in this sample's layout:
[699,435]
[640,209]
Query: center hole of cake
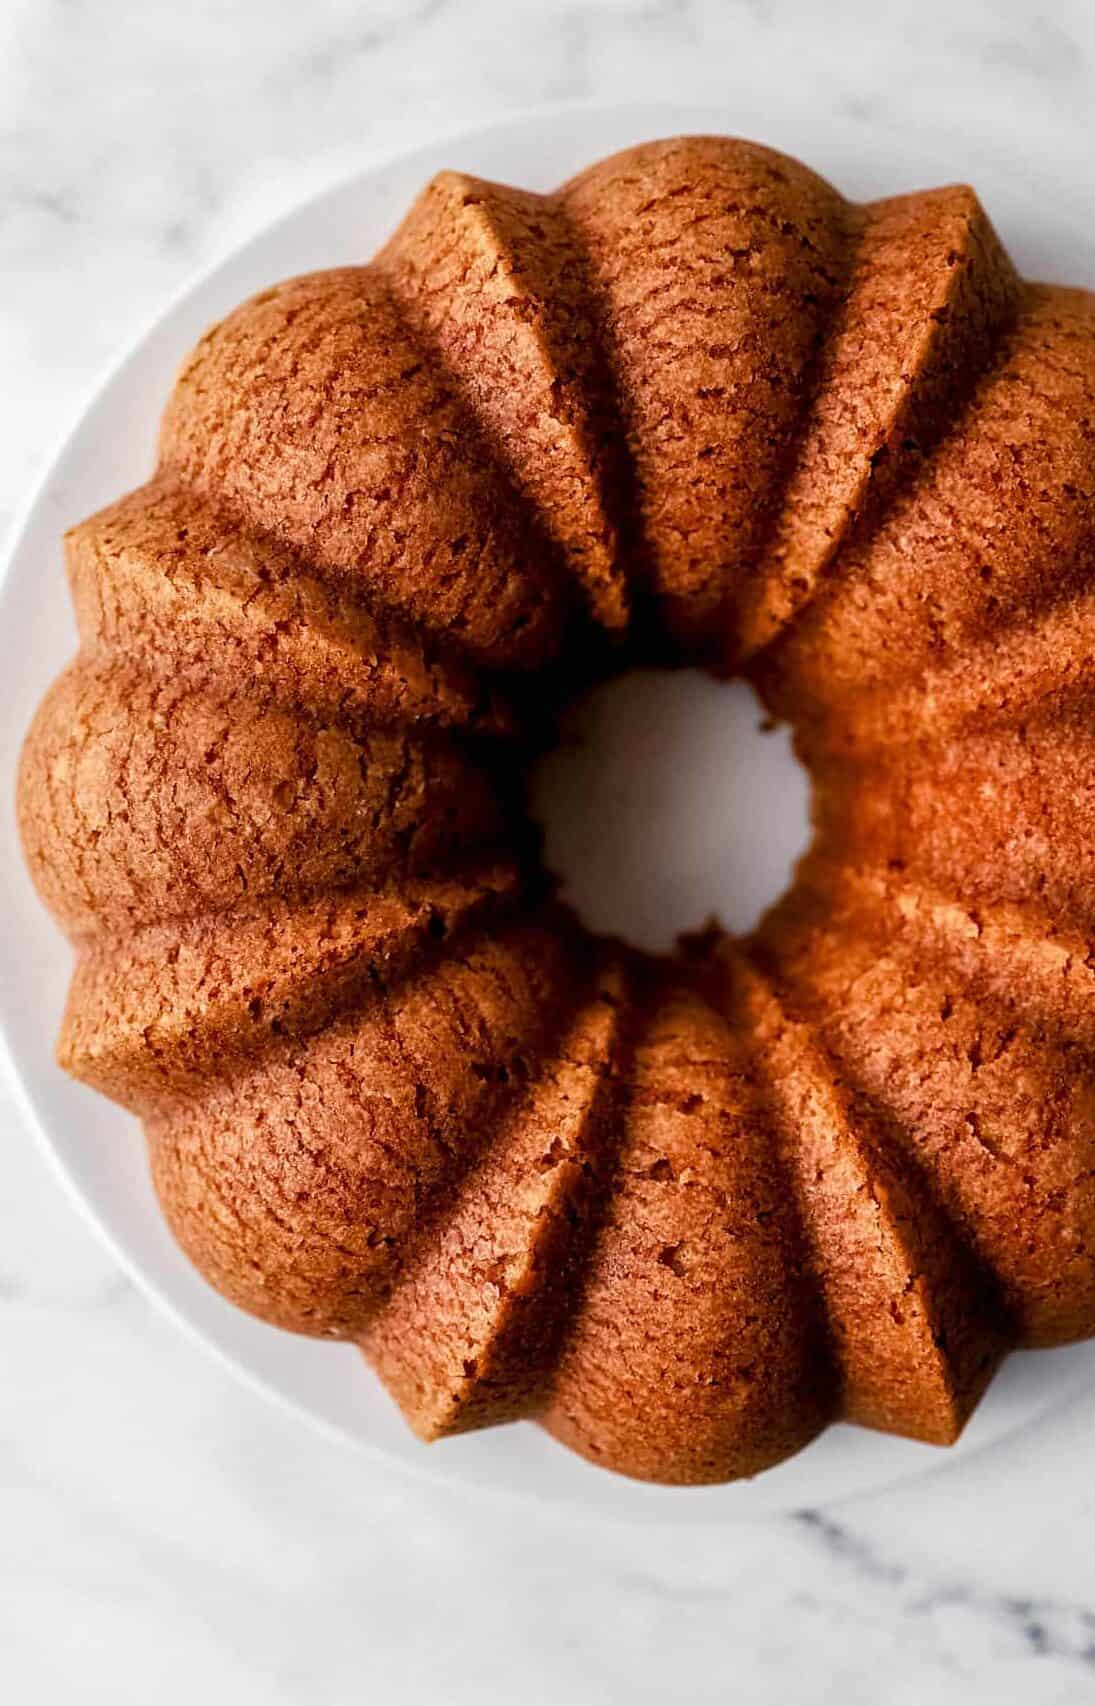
[668,803]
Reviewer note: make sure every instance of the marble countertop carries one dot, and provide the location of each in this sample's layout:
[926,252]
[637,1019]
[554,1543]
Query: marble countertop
[164,1533]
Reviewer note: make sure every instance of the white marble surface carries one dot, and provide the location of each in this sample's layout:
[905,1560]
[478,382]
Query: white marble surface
[163,1532]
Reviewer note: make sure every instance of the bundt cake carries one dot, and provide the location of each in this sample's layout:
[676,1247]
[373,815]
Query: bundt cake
[693,408]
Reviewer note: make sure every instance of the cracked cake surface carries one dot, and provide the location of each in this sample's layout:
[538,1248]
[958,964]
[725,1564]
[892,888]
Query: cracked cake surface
[695,407]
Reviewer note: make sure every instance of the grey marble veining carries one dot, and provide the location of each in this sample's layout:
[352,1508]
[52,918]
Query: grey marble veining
[165,1534]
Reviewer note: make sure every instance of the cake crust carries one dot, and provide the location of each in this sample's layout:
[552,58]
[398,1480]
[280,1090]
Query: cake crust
[694,406]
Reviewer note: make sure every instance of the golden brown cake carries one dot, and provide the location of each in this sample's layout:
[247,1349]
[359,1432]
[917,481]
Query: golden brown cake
[684,1212]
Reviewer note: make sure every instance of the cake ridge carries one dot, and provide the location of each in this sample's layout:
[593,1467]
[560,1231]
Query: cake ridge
[490,1275]
[1023,448]
[490,594]
[699,482]
[918,388]
[1034,667]
[144,572]
[347,1136]
[988,1109]
[879,1126]
[984,816]
[128,765]
[524,360]
[1005,939]
[907,1325]
[152,1015]
[707,1375]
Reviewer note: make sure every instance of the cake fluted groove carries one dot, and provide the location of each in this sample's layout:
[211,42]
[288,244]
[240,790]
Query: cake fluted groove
[313,414]
[910,1321]
[992,1107]
[1036,668]
[470,1334]
[999,522]
[296,1186]
[714,265]
[180,588]
[161,1012]
[1000,816]
[143,799]
[692,1353]
[1010,951]
[928,295]
[491,279]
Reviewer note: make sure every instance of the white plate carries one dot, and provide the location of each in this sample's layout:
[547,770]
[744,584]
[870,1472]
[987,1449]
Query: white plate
[1039,205]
